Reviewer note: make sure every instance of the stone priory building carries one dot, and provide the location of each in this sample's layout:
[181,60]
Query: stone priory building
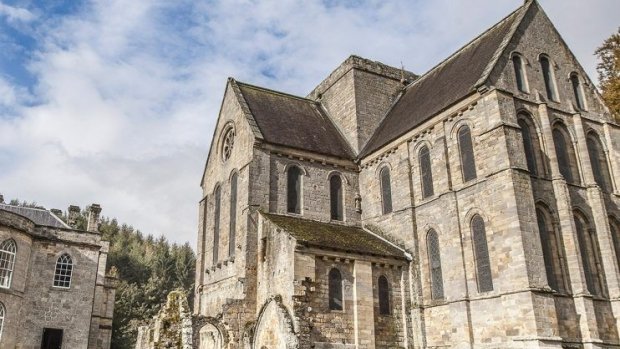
[53,289]
[474,206]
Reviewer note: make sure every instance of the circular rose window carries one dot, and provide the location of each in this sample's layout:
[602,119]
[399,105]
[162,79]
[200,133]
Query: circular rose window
[227,145]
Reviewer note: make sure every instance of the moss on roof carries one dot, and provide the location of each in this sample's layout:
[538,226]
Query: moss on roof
[335,236]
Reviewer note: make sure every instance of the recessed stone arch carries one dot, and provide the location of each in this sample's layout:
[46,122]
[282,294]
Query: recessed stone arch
[211,336]
[275,327]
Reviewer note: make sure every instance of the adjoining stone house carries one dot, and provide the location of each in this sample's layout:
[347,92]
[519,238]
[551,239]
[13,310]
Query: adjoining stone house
[475,206]
[53,289]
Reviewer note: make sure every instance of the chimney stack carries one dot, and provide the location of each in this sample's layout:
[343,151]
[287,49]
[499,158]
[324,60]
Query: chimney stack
[93,218]
[1,199]
[57,212]
[74,213]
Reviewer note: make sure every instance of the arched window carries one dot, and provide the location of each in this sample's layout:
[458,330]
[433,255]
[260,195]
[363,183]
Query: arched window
[386,190]
[426,173]
[233,215]
[8,249]
[590,255]
[335,197]
[468,163]
[577,91]
[2,316]
[567,162]
[293,190]
[600,170]
[614,229]
[481,253]
[434,261]
[517,63]
[335,290]
[549,78]
[531,145]
[384,296]
[216,223]
[64,269]
[551,250]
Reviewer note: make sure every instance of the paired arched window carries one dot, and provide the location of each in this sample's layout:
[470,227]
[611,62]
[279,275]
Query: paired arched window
[551,250]
[335,289]
[598,160]
[481,254]
[8,249]
[590,255]
[426,174]
[63,272]
[2,316]
[384,296]
[386,190]
[216,223]
[293,190]
[434,261]
[466,149]
[336,198]
[531,145]
[548,77]
[567,161]
[577,91]
[233,215]
[614,229]
[517,63]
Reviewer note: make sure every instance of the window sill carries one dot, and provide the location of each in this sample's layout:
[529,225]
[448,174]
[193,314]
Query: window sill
[59,288]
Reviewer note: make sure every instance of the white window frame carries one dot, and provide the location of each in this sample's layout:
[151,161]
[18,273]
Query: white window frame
[10,260]
[70,273]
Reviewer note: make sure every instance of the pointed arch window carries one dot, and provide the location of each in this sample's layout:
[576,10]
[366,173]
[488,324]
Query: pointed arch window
[481,254]
[530,144]
[577,91]
[8,250]
[590,255]
[216,223]
[466,149]
[549,79]
[64,271]
[386,190]
[434,261]
[598,160]
[551,250]
[517,63]
[293,190]
[335,289]
[567,161]
[233,215]
[336,198]
[614,228]
[426,174]
[384,296]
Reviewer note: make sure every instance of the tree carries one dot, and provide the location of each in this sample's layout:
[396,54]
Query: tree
[608,70]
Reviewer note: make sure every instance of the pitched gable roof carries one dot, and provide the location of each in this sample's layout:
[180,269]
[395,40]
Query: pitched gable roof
[37,215]
[335,236]
[293,121]
[450,81]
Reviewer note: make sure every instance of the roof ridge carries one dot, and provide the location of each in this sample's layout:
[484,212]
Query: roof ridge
[275,92]
[457,52]
[502,47]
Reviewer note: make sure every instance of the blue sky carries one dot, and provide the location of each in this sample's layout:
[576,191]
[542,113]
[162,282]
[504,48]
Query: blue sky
[114,101]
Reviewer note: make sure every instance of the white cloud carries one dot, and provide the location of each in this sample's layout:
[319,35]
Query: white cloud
[16,14]
[128,92]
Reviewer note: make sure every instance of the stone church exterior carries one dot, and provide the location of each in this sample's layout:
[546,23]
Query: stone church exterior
[53,289]
[474,206]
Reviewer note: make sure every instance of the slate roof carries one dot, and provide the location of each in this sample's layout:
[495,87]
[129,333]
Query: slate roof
[37,215]
[294,121]
[450,81]
[335,236]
